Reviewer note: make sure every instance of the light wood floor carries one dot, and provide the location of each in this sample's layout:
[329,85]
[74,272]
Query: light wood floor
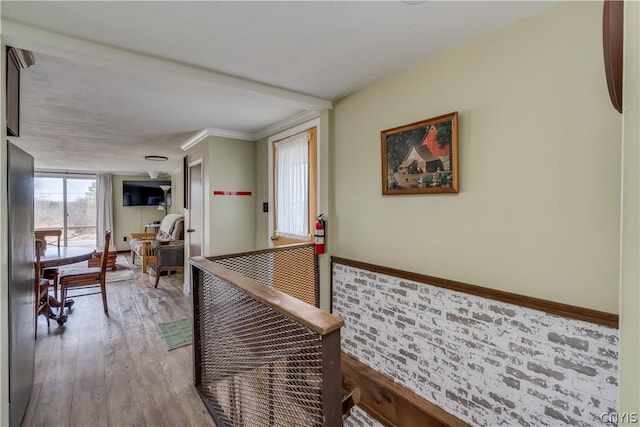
[116,371]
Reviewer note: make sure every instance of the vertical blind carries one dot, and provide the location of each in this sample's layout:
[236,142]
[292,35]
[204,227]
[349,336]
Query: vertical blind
[292,185]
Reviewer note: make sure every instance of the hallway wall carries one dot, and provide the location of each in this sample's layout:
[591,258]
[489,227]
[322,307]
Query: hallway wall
[538,210]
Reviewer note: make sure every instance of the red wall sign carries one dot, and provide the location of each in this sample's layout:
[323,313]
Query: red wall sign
[231,193]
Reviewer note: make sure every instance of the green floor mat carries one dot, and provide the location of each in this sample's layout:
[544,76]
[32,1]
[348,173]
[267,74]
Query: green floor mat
[177,333]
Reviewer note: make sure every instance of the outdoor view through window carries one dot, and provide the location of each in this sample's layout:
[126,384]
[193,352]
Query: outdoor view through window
[79,195]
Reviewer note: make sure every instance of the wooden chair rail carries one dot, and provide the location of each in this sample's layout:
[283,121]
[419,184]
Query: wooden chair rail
[552,307]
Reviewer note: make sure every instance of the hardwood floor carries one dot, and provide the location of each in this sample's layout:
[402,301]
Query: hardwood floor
[116,371]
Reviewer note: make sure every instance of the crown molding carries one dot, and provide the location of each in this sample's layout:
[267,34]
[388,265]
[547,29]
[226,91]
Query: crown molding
[198,137]
[290,121]
[271,130]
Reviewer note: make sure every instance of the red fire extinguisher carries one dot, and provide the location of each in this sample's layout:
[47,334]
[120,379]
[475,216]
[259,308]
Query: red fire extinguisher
[319,234]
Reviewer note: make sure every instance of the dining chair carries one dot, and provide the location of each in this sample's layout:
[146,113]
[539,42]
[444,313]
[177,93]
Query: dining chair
[88,277]
[41,290]
[50,273]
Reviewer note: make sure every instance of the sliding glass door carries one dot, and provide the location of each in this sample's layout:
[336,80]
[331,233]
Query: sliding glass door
[67,204]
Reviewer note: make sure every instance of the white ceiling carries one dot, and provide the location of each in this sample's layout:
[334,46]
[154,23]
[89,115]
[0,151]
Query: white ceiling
[115,81]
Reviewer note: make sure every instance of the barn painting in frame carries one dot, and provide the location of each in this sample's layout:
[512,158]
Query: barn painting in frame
[422,157]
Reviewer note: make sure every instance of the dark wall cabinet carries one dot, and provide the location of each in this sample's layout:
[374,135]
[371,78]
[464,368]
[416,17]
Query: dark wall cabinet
[13,96]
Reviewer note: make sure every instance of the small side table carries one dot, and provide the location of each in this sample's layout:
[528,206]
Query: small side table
[154,228]
[111,258]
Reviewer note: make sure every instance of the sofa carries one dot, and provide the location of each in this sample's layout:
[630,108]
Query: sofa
[144,244]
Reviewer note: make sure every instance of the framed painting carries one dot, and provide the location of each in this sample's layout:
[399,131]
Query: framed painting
[421,157]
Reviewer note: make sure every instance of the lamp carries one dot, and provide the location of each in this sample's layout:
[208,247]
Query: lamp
[165,205]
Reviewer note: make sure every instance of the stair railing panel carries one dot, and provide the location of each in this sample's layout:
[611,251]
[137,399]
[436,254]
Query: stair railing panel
[261,356]
[293,269]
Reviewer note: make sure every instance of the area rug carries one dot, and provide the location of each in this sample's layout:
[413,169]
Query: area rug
[177,333]
[124,271]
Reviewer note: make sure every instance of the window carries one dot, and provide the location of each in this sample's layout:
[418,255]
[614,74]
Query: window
[68,204]
[294,189]
[292,186]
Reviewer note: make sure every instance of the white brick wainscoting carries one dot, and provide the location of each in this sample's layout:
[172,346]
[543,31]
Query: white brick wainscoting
[487,362]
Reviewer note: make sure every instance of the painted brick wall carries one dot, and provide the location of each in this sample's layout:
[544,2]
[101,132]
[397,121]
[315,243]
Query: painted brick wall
[487,362]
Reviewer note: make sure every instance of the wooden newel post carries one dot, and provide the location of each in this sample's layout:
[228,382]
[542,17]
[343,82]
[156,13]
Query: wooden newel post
[331,379]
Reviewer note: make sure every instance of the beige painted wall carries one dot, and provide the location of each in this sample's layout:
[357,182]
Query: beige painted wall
[129,219]
[538,208]
[230,221]
[262,193]
[232,217]
[629,397]
[177,191]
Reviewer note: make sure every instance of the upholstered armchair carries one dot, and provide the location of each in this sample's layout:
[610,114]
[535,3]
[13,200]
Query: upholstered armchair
[169,257]
[143,244]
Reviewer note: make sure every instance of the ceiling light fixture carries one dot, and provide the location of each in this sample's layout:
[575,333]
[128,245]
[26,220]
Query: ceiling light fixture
[156,158]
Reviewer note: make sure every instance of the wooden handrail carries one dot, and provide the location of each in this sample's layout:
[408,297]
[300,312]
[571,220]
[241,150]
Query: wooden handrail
[260,251]
[313,318]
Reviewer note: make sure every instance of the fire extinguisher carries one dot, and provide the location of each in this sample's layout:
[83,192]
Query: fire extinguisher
[319,247]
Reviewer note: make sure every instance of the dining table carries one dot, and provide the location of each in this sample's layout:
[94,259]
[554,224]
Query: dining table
[56,256]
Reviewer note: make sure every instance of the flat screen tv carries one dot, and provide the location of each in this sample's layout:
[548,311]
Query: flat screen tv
[143,193]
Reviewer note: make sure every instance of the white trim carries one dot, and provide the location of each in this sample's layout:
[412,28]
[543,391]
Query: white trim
[224,133]
[66,174]
[296,129]
[48,42]
[195,162]
[195,139]
[292,131]
[187,285]
[303,116]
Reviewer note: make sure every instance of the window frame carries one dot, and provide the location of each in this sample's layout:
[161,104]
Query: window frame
[314,123]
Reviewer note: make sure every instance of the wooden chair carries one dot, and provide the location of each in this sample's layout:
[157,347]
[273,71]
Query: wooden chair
[89,277]
[50,273]
[41,290]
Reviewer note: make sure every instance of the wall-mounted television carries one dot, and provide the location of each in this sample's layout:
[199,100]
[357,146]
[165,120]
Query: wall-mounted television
[143,193]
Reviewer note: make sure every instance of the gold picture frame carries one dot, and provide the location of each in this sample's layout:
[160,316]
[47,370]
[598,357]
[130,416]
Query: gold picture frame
[421,157]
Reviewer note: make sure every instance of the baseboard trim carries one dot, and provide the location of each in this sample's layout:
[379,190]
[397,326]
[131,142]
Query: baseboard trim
[389,402]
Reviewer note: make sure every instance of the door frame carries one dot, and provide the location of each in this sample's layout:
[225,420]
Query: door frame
[186,287]
[202,199]
[284,134]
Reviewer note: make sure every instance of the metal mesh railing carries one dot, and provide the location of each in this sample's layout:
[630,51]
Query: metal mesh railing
[290,269]
[256,364]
